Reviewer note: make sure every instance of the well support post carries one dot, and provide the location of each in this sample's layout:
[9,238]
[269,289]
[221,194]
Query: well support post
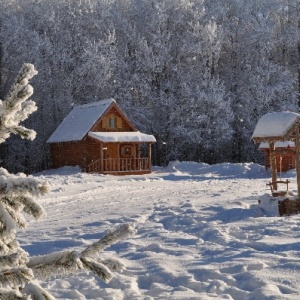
[273,165]
[297,144]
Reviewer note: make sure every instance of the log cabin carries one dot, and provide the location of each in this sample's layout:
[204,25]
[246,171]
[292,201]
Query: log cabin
[284,155]
[99,138]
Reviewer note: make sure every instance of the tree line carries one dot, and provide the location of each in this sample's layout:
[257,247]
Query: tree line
[197,74]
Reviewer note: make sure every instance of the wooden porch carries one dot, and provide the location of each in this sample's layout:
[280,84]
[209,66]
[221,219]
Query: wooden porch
[120,166]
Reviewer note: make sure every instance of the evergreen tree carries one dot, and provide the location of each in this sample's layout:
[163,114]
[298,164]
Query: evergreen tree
[19,274]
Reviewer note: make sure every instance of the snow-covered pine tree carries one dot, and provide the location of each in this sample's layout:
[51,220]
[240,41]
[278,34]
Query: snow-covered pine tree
[19,274]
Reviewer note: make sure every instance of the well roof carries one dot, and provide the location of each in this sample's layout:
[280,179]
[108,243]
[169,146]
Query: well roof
[276,126]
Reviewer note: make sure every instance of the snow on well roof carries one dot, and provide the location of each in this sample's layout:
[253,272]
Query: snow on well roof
[274,124]
[114,137]
[79,121]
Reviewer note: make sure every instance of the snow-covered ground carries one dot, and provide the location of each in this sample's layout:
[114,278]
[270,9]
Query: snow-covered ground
[200,233]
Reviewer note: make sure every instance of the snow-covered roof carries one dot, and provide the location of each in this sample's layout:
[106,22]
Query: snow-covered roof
[274,125]
[277,145]
[79,121]
[114,137]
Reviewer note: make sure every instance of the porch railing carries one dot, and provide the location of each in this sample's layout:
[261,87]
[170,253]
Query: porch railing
[111,165]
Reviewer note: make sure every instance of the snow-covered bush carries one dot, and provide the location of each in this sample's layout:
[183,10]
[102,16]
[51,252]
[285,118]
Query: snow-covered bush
[19,273]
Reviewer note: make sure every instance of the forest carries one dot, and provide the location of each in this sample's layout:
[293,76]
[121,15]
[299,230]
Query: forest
[197,74]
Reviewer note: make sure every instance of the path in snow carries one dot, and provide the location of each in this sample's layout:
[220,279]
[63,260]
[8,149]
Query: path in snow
[200,235]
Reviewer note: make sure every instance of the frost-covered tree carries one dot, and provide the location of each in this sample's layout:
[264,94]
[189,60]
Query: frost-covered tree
[251,66]
[19,273]
[71,44]
[154,57]
[166,76]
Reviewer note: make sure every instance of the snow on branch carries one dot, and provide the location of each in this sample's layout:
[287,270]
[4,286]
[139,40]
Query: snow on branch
[15,277]
[113,264]
[69,262]
[7,248]
[120,233]
[9,229]
[9,294]
[55,264]
[16,107]
[13,214]
[97,268]
[18,191]
[9,260]
[37,292]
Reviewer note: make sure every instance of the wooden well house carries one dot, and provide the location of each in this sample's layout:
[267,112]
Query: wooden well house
[100,138]
[279,127]
[284,155]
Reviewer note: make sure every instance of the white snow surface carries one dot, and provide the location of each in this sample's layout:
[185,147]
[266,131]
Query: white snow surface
[274,124]
[112,137]
[79,121]
[200,233]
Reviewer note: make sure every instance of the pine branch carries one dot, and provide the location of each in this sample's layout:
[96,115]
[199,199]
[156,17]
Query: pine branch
[27,108]
[31,207]
[97,268]
[14,259]
[113,264]
[55,264]
[9,294]
[8,260]
[9,228]
[120,233]
[23,132]
[37,292]
[8,248]
[16,216]
[14,278]
[64,263]
[16,205]
[20,85]
[14,108]
[21,185]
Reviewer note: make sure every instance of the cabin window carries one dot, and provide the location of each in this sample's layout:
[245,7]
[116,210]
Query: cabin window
[111,122]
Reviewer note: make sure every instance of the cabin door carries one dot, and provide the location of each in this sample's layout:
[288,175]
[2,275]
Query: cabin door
[127,155]
[111,157]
